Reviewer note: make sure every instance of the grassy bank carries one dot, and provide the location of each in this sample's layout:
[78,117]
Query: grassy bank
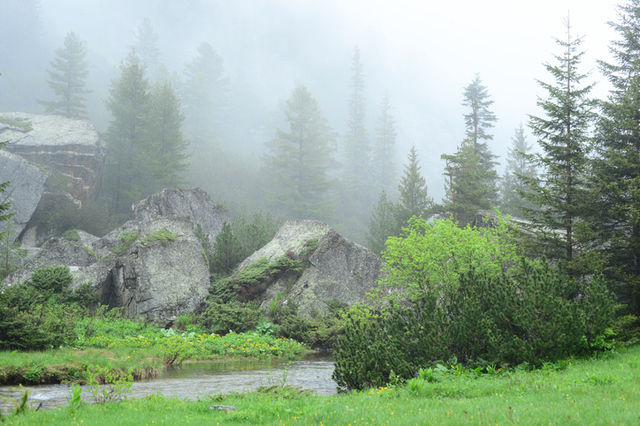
[595,391]
[128,348]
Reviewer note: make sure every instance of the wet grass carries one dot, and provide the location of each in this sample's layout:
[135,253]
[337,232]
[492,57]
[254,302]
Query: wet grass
[594,391]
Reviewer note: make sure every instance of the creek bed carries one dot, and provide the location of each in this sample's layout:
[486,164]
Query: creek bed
[194,380]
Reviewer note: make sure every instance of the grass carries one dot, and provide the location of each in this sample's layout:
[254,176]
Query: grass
[595,391]
[123,345]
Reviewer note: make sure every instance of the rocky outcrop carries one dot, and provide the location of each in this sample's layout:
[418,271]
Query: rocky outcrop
[193,204]
[64,147]
[25,190]
[154,268]
[333,268]
[161,275]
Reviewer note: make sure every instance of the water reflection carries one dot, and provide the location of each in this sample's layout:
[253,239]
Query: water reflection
[192,381]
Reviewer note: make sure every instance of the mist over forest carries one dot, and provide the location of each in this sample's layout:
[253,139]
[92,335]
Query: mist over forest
[422,57]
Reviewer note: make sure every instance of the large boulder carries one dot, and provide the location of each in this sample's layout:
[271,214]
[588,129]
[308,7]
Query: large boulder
[25,190]
[161,275]
[154,268]
[63,146]
[193,204]
[334,268]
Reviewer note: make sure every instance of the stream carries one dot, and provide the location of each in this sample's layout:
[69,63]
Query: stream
[195,380]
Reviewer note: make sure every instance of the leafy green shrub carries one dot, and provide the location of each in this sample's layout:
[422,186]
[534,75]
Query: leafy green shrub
[41,327]
[535,316]
[52,279]
[222,319]
[627,329]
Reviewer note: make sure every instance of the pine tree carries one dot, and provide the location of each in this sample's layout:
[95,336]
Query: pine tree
[357,148]
[470,184]
[382,224]
[479,119]
[518,164]
[471,179]
[204,95]
[617,164]
[67,78]
[168,158]
[146,47]
[5,205]
[127,140]
[384,149]
[298,161]
[559,193]
[414,200]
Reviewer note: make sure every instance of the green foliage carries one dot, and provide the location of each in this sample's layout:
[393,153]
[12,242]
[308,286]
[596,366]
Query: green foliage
[615,214]
[67,79]
[298,162]
[52,279]
[162,235]
[108,384]
[126,239]
[227,251]
[71,235]
[74,401]
[531,316]
[434,255]
[519,163]
[382,160]
[223,318]
[471,183]
[22,124]
[559,195]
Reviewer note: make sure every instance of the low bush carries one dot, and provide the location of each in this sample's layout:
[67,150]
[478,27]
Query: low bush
[535,316]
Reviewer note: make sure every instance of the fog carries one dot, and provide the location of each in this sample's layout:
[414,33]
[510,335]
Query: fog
[422,53]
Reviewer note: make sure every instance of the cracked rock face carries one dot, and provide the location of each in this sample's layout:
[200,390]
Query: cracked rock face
[71,148]
[154,268]
[338,268]
[25,190]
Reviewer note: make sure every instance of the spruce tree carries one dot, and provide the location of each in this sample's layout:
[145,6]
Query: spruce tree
[146,47]
[204,96]
[383,224]
[471,179]
[469,184]
[67,79]
[127,141]
[383,163]
[559,193]
[168,158]
[413,200]
[617,164]
[519,163]
[297,163]
[480,118]
[356,145]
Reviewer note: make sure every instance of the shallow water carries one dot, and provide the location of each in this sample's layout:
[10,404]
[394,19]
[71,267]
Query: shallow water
[202,379]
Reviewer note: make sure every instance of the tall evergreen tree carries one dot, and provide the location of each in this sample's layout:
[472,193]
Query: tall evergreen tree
[5,205]
[388,218]
[469,184]
[146,47]
[298,161]
[471,179]
[356,144]
[67,78]
[383,224]
[560,193]
[126,138]
[480,118]
[168,159]
[204,95]
[413,200]
[617,164]
[383,163]
[519,163]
